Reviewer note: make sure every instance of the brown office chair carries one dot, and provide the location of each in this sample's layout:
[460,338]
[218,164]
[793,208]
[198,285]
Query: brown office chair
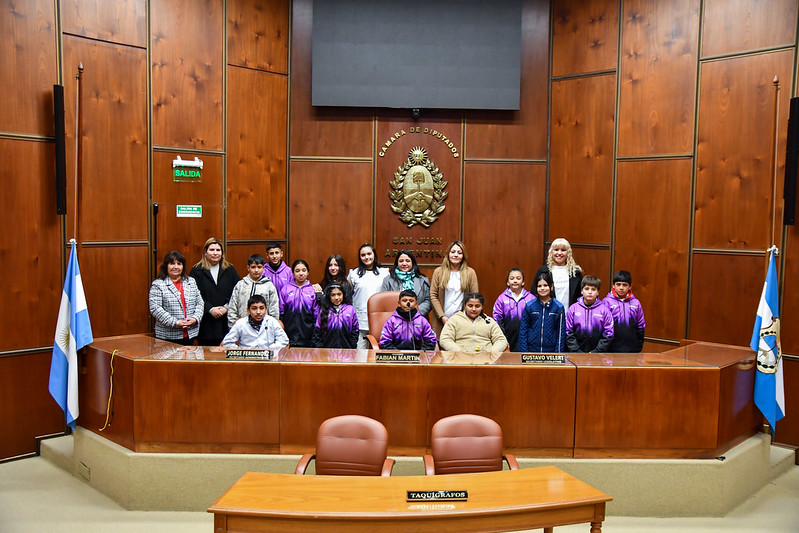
[350,445]
[379,308]
[466,443]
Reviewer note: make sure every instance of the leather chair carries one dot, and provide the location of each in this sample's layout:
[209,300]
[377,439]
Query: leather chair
[350,445]
[466,443]
[379,307]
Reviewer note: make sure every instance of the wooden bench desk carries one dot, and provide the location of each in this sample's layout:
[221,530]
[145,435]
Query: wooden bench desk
[498,501]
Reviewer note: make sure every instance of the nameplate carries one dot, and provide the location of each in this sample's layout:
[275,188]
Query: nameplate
[438,495]
[543,358]
[391,357]
[239,353]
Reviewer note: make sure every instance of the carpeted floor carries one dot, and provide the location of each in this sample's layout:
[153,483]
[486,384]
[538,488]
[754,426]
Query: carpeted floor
[38,497]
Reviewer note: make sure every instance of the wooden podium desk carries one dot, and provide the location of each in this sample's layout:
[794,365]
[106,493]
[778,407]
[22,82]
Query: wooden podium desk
[510,500]
[691,402]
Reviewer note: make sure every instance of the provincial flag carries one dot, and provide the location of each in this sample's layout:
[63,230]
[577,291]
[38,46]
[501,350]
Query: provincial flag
[769,387]
[73,331]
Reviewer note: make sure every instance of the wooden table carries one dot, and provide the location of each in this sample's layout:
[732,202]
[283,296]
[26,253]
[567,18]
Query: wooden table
[498,501]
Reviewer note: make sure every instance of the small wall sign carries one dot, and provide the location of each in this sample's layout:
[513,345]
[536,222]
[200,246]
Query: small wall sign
[189,211]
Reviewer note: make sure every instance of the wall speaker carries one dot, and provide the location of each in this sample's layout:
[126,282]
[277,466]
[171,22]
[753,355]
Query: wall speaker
[60,150]
[791,165]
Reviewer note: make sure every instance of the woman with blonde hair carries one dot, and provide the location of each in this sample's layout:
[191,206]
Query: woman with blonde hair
[216,279]
[449,283]
[566,273]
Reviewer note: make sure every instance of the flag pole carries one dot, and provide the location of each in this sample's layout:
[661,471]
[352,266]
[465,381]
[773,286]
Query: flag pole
[78,143]
[774,165]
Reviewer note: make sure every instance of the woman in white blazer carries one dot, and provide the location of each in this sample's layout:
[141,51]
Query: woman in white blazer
[175,301]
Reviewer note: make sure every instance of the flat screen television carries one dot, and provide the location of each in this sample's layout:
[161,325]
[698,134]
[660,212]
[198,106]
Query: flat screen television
[417,54]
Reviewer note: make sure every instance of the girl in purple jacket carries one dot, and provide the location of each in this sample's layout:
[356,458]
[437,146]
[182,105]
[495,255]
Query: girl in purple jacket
[509,307]
[337,323]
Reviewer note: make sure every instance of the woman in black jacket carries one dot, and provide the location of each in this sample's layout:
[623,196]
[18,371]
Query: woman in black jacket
[215,278]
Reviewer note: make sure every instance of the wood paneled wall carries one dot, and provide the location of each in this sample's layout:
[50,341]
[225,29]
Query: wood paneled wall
[645,136]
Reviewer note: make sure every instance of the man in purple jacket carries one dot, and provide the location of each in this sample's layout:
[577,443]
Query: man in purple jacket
[589,323]
[407,329]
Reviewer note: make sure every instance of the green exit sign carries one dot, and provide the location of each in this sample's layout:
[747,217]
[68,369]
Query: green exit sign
[187,174]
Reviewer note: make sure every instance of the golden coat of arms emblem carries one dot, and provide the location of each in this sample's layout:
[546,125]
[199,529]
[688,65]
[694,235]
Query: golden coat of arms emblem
[417,190]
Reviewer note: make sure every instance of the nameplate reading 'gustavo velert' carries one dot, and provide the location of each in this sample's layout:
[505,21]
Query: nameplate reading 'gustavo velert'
[391,357]
[438,495]
[248,354]
[543,358]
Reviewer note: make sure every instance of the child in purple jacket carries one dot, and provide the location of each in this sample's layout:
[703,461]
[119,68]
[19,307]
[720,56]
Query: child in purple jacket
[337,323]
[589,323]
[510,305]
[628,315]
[407,329]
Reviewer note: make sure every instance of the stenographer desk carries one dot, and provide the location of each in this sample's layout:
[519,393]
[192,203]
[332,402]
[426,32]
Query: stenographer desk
[694,401]
[497,501]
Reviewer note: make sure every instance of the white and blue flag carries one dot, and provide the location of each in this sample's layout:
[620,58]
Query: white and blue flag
[73,331]
[769,387]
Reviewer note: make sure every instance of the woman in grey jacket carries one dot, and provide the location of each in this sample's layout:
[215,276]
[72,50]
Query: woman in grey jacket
[405,275]
[175,301]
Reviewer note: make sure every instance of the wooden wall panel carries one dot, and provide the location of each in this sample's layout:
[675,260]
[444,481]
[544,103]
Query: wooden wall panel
[596,262]
[256,161]
[187,73]
[258,34]
[439,134]
[581,159]
[29,52]
[734,152]
[113,163]
[652,239]
[725,291]
[27,410]
[790,284]
[116,308]
[738,25]
[116,21]
[188,235]
[30,252]
[512,197]
[658,77]
[330,206]
[320,131]
[518,134]
[237,254]
[585,36]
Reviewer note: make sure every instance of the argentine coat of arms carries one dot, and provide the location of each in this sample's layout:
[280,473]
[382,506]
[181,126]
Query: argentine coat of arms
[417,190]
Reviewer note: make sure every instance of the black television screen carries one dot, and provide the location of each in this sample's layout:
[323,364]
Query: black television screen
[432,54]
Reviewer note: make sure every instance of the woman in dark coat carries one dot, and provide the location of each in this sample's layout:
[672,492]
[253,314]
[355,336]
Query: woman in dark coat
[215,278]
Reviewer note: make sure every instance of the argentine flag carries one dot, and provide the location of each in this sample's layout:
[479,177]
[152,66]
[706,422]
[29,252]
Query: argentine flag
[72,333]
[769,388]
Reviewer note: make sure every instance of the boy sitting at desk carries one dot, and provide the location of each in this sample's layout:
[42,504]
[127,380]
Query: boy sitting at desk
[407,329]
[257,330]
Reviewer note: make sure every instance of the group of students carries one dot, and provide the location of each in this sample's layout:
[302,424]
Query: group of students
[564,314]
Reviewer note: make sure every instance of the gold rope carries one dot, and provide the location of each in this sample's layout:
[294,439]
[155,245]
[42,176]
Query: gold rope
[110,391]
